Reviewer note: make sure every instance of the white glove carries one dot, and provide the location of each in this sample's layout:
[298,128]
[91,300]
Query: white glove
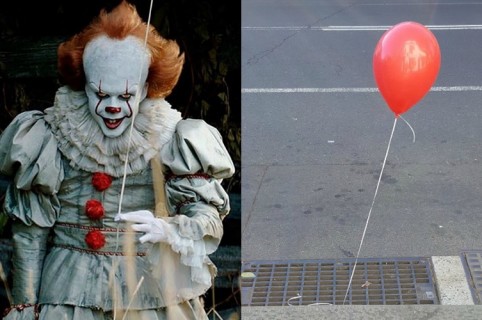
[156,229]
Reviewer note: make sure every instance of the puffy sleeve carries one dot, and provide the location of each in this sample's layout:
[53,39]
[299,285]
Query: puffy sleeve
[196,161]
[29,156]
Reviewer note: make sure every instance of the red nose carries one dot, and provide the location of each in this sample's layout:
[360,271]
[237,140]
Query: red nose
[113,109]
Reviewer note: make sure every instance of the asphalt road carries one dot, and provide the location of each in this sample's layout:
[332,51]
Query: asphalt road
[315,133]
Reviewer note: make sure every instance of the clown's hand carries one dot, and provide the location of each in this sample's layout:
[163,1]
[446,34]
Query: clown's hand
[155,229]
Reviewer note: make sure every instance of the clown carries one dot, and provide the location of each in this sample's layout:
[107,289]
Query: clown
[87,243]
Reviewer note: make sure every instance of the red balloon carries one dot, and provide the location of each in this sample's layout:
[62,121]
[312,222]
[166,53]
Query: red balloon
[406,63]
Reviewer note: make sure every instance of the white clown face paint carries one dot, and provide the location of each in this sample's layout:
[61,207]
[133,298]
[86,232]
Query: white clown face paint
[115,71]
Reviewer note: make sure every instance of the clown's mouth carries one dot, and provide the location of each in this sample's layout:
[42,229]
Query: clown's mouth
[112,123]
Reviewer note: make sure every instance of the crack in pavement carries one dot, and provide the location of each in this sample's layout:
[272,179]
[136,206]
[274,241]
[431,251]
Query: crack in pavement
[257,57]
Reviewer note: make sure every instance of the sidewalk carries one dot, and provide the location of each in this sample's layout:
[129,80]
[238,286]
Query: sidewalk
[417,312]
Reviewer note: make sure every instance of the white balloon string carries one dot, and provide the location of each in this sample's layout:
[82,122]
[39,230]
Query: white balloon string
[408,124]
[124,176]
[136,103]
[370,212]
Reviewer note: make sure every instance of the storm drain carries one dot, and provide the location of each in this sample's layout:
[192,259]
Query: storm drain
[472,261]
[308,282]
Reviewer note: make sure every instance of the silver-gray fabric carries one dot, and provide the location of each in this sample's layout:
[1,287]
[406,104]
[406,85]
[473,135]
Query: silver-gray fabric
[52,263]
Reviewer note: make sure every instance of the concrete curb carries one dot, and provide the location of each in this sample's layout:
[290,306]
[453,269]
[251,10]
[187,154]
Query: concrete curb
[354,312]
[451,281]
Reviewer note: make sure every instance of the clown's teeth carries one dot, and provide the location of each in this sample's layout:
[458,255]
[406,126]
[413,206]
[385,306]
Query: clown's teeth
[112,123]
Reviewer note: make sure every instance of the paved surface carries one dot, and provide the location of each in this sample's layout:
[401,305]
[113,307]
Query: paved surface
[311,160]
[315,132]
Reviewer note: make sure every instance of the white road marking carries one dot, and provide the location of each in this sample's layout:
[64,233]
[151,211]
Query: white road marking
[350,90]
[361,28]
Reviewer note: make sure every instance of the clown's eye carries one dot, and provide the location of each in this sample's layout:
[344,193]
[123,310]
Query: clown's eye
[101,95]
[125,96]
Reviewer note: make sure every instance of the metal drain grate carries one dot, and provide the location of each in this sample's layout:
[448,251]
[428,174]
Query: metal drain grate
[472,261]
[305,282]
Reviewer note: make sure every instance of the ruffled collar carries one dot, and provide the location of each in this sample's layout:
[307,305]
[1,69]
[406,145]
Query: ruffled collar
[82,142]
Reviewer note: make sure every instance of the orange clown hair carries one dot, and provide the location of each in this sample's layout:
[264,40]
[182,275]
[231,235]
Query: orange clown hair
[166,60]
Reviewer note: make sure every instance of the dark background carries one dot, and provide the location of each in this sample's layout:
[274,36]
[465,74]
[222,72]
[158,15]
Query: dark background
[208,33]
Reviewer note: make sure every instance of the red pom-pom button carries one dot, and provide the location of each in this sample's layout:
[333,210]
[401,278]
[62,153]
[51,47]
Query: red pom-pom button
[95,239]
[101,181]
[94,209]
